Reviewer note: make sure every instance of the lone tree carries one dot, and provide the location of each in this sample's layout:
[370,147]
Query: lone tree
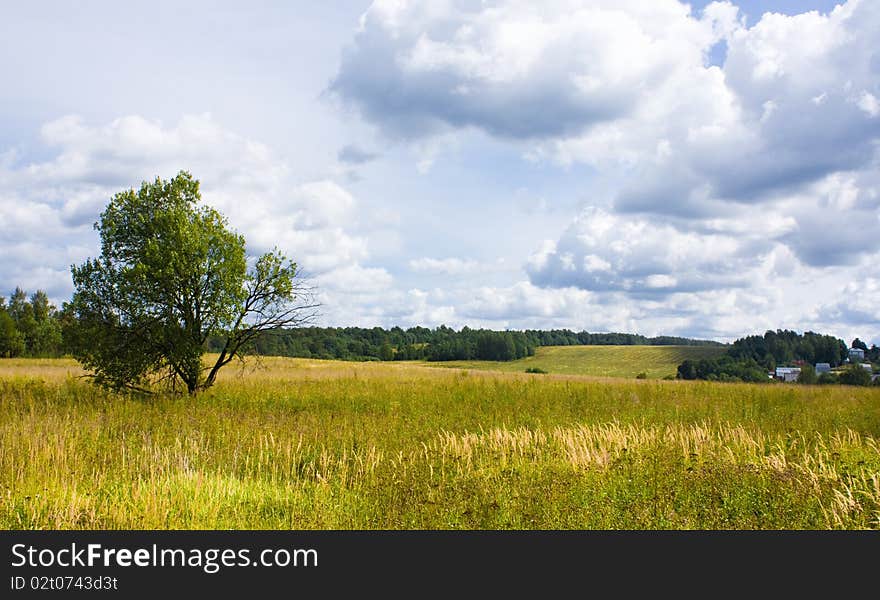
[170,275]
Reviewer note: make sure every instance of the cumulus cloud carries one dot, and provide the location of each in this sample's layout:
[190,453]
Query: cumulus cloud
[602,251]
[740,183]
[731,169]
[524,301]
[517,69]
[595,80]
[854,311]
[446,266]
[47,207]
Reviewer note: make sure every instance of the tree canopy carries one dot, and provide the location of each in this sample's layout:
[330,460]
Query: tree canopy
[170,275]
[29,325]
[750,358]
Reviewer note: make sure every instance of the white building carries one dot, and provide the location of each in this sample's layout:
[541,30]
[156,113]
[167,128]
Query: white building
[823,368]
[856,355]
[788,374]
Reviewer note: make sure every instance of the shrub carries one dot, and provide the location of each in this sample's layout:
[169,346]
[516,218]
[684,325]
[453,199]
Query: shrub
[855,375]
[535,370]
[807,375]
[828,379]
[642,375]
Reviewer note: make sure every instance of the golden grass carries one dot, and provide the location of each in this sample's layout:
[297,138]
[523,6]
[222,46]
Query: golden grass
[655,362]
[320,444]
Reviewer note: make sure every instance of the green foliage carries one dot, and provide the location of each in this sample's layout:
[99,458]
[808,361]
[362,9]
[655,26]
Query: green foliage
[642,375]
[29,326]
[416,343]
[783,347]
[807,375]
[723,368]
[11,340]
[828,379]
[170,275]
[855,375]
[386,352]
[535,370]
[748,356]
[439,344]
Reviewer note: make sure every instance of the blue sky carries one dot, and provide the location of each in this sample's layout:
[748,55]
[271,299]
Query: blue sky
[708,170]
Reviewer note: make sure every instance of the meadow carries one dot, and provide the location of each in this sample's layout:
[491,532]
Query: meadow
[294,443]
[656,362]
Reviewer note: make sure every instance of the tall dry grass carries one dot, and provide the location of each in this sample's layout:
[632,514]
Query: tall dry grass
[317,444]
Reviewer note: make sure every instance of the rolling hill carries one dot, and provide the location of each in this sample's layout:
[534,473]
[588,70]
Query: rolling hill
[601,361]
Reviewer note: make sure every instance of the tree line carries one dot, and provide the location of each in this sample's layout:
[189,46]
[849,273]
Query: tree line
[439,344]
[173,281]
[415,343]
[30,326]
[751,359]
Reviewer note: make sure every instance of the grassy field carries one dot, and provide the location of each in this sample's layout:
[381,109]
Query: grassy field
[599,361]
[320,444]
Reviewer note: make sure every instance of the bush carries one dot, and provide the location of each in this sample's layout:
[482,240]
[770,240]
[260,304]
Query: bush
[535,370]
[855,375]
[642,375]
[723,368]
[828,379]
[807,375]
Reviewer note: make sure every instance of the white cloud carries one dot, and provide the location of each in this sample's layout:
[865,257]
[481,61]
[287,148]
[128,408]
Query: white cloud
[355,279]
[745,184]
[854,312]
[601,251]
[626,83]
[524,301]
[47,207]
[868,102]
[730,170]
[518,69]
[445,266]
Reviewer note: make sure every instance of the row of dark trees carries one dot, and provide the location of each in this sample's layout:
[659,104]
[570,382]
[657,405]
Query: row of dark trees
[416,343]
[439,344]
[783,347]
[29,326]
[723,368]
[752,357]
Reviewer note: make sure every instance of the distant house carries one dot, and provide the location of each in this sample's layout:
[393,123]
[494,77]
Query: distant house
[856,355]
[868,367]
[822,368]
[787,374]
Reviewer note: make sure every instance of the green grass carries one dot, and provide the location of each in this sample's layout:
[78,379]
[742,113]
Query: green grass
[321,444]
[599,361]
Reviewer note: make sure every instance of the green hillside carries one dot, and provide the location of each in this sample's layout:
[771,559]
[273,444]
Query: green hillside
[602,361]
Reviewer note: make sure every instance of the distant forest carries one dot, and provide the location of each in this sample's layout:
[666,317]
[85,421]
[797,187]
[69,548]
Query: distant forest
[29,326]
[32,327]
[752,357]
[439,344]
